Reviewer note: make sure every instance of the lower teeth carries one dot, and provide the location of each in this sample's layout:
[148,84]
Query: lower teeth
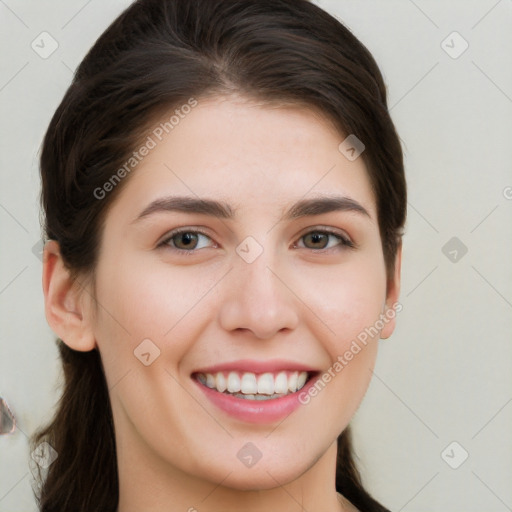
[256,397]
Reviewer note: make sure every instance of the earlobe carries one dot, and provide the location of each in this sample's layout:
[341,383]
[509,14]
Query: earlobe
[67,313]
[393,294]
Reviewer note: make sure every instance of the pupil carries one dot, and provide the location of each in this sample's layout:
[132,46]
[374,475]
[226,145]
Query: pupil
[317,238]
[187,239]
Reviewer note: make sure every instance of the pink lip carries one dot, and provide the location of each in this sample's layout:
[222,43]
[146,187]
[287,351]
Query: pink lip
[253,366]
[256,411]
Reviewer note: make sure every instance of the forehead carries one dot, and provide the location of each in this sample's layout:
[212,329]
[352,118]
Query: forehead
[246,154]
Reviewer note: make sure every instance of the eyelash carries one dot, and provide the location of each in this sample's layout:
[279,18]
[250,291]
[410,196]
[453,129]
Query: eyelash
[344,241]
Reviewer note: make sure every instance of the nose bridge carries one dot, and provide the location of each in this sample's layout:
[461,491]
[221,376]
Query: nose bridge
[256,298]
[258,281]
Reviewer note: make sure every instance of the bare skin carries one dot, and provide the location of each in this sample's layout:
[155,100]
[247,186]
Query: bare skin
[297,301]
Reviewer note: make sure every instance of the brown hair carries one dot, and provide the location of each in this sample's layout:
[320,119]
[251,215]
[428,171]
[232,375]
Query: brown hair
[153,58]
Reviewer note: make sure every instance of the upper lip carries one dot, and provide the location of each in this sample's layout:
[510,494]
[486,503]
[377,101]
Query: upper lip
[254,366]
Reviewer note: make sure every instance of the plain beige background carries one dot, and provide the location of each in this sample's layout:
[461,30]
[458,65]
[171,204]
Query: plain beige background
[442,386]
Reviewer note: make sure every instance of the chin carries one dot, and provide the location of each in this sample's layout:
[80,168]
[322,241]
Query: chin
[264,475]
[262,479]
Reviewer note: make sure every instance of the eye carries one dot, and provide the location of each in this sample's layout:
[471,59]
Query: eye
[186,240]
[189,240]
[324,239]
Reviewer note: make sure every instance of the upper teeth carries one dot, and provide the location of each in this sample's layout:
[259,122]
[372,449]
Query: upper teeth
[250,383]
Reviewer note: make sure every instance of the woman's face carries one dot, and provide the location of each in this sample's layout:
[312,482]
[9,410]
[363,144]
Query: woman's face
[273,283]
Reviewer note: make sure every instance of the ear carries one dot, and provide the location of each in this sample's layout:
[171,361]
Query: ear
[392,306]
[67,303]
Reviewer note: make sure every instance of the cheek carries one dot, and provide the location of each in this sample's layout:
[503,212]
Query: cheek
[347,299]
[135,304]
[349,306]
[349,311]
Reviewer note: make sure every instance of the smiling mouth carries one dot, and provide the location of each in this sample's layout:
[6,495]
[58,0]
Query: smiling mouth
[253,386]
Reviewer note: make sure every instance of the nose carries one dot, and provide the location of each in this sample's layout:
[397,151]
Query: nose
[258,299]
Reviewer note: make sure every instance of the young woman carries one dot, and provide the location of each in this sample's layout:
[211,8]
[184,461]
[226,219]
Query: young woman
[224,197]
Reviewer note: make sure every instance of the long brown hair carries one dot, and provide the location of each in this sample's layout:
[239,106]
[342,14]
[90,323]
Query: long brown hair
[153,58]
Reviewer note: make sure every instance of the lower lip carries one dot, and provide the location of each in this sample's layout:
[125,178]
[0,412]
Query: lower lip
[256,411]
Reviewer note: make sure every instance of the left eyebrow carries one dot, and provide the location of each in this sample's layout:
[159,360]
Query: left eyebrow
[302,208]
[308,207]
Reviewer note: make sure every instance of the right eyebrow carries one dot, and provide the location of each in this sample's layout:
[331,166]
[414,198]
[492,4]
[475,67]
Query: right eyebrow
[188,205]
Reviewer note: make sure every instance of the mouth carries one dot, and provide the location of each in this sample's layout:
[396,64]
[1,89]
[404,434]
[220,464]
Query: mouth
[255,386]
[255,391]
